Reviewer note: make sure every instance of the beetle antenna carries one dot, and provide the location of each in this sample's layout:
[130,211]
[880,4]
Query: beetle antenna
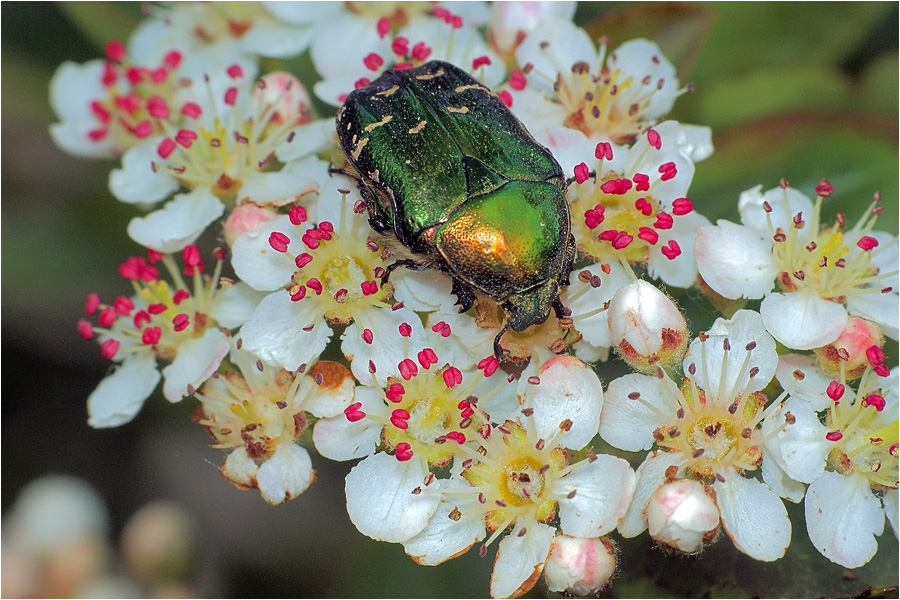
[591,174]
[498,350]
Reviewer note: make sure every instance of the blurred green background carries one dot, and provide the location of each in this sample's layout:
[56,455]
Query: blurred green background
[795,90]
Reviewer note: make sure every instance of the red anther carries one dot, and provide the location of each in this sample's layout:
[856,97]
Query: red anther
[158,75]
[867,243]
[326,226]
[172,59]
[835,391]
[230,96]
[452,377]
[123,306]
[402,65]
[299,295]
[456,21]
[153,256]
[594,216]
[383,27]
[135,74]
[603,151]
[824,189]
[644,207]
[616,186]
[654,139]
[426,357]
[668,171]
[110,75]
[302,260]
[405,329]
[395,393]
[403,452]
[157,107]
[369,288]
[622,240]
[663,221]
[91,304]
[442,328]
[641,182]
[342,97]
[833,436]
[489,365]
[157,308]
[480,61]
[131,268]
[581,173]
[506,98]
[608,235]
[109,348]
[648,235]
[353,413]
[310,238]
[148,273]
[367,336]
[517,81]
[874,400]
[441,13]
[882,371]
[400,413]
[420,51]
[151,336]
[457,436]
[682,206]
[315,285]
[129,103]
[399,423]
[340,296]
[180,321]
[297,215]
[166,147]
[235,71]
[85,329]
[400,46]
[191,256]
[875,355]
[107,317]
[141,318]
[185,137]
[361,82]
[142,129]
[97,134]
[408,369]
[279,241]
[100,112]
[180,296]
[894,450]
[115,51]
[373,62]
[191,109]
[671,250]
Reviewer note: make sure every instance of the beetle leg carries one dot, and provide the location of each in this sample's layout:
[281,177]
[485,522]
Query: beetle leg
[464,296]
[592,174]
[560,310]
[405,262]
[498,350]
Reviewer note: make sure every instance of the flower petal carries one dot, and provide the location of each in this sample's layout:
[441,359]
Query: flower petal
[520,559]
[258,264]
[196,360]
[387,347]
[121,395]
[650,475]
[803,320]
[628,424]
[735,261]
[179,223]
[603,491]
[445,538]
[381,501]
[878,307]
[890,509]
[276,332]
[286,474]
[137,181]
[240,469]
[843,517]
[421,291]
[811,387]
[235,305]
[338,438]
[754,517]
[785,203]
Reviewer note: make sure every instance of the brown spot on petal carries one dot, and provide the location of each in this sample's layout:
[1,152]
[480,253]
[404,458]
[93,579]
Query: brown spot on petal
[331,374]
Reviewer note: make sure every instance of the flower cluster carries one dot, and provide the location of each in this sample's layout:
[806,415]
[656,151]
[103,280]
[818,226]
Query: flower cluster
[475,425]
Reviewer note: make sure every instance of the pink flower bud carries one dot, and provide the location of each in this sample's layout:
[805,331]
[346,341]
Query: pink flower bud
[682,515]
[646,327]
[286,95]
[244,219]
[579,566]
[851,349]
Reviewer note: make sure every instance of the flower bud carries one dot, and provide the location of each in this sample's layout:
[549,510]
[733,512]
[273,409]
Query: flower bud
[246,218]
[579,566]
[287,96]
[510,22]
[682,515]
[850,348]
[646,327]
[158,542]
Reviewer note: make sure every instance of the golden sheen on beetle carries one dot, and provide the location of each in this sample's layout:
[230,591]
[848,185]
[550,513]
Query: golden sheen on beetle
[445,167]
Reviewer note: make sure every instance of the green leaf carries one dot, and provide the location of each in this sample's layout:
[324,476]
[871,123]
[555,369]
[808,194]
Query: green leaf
[104,21]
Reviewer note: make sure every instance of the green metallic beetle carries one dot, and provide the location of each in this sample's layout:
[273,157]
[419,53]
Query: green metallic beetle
[446,167]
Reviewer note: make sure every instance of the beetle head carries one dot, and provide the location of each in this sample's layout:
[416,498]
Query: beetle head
[532,306]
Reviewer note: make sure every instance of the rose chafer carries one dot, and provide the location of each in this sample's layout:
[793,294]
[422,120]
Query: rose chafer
[445,166]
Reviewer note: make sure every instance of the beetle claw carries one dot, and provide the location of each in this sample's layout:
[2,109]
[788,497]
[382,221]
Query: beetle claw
[464,296]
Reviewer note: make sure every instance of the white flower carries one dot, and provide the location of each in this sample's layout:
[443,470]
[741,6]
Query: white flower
[823,272]
[181,324]
[635,209]
[566,82]
[850,494]
[260,412]
[714,429]
[511,22]
[386,36]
